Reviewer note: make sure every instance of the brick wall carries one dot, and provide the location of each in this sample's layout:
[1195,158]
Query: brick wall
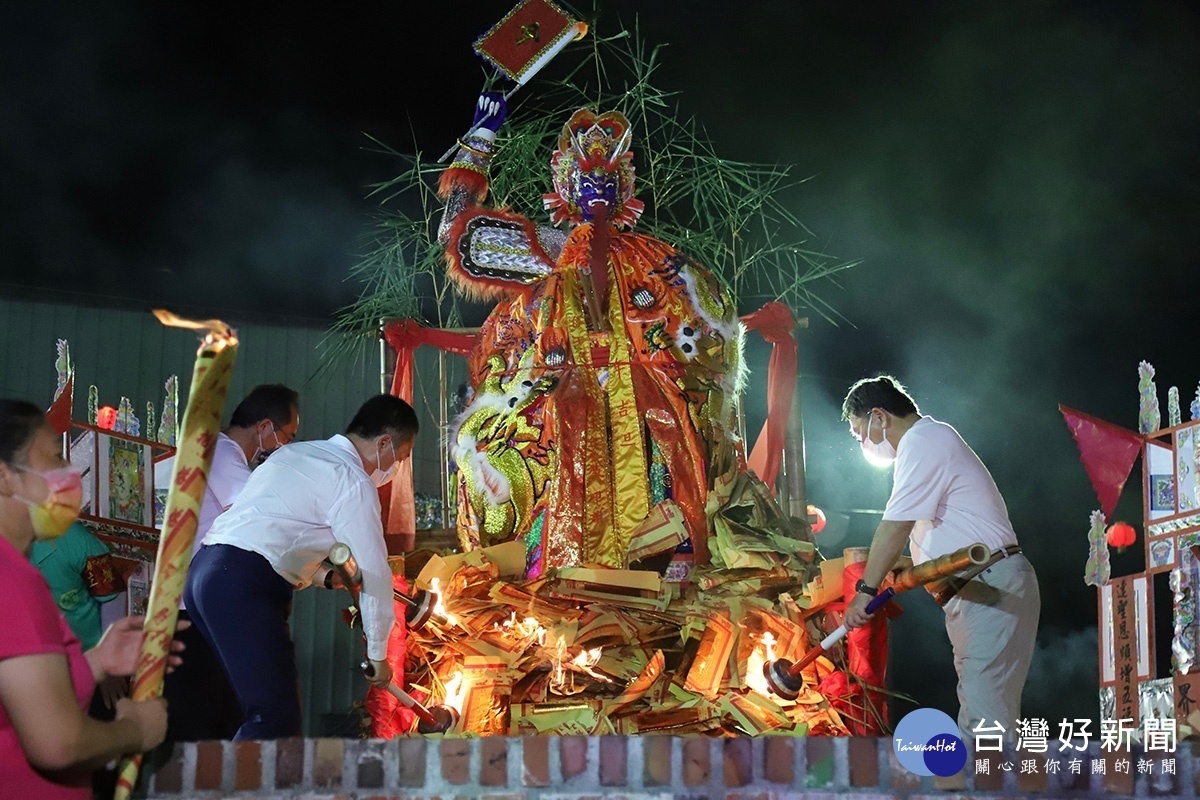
[632,767]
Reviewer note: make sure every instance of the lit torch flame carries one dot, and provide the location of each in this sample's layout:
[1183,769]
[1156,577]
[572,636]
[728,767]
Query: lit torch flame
[760,656]
[456,691]
[219,334]
[439,608]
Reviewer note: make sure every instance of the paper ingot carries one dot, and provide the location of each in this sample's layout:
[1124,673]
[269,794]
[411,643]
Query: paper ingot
[712,659]
[662,530]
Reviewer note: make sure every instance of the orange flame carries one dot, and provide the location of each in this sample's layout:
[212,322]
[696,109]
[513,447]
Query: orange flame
[456,689]
[528,628]
[219,334]
[587,660]
[439,608]
[760,656]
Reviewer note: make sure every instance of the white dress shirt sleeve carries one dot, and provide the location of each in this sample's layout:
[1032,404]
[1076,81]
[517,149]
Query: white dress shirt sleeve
[355,520]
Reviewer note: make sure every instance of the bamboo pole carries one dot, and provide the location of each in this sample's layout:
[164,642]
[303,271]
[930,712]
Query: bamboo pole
[197,440]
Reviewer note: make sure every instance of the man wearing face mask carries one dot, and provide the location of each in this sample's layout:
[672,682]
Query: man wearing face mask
[199,692]
[294,508]
[943,499]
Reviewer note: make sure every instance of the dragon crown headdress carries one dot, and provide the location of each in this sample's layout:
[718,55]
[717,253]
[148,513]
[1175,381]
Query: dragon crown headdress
[593,150]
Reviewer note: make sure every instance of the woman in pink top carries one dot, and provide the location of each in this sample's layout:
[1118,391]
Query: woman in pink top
[48,744]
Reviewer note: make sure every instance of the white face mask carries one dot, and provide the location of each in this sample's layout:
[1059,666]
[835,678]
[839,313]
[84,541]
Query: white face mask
[881,453]
[379,477]
[262,453]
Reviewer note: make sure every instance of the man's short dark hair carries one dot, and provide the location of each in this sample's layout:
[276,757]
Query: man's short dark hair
[883,392]
[272,401]
[384,414]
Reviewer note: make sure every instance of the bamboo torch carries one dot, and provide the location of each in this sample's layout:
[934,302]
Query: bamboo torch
[197,440]
[434,719]
[785,678]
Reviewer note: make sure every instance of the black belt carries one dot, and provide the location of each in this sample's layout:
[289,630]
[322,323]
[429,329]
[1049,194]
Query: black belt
[946,590]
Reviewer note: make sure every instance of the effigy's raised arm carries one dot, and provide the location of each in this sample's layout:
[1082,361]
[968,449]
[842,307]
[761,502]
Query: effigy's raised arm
[490,253]
[465,181]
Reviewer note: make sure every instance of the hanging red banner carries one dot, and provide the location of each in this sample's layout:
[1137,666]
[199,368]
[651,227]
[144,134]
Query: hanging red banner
[405,336]
[774,323]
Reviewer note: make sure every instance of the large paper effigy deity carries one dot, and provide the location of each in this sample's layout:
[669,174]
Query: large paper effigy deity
[598,433]
[603,380]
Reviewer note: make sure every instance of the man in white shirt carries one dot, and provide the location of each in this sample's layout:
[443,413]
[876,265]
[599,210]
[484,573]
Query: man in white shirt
[203,702]
[307,497]
[943,499]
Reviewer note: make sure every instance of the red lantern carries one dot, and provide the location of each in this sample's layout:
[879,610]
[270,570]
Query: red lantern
[106,418]
[816,519]
[1121,535]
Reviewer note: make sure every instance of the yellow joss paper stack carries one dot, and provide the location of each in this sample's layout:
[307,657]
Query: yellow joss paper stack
[592,650]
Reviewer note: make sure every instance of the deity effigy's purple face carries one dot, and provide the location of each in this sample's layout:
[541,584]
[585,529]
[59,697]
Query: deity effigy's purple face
[592,169]
[597,187]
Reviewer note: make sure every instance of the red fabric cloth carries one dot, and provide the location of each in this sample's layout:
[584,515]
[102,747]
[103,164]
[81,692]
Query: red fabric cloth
[775,323]
[1107,451]
[388,717]
[34,626]
[405,336]
[866,657]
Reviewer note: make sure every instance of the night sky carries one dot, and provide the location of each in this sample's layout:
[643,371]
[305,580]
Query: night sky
[1020,180]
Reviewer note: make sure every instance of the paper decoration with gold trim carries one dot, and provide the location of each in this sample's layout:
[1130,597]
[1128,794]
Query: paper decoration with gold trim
[527,38]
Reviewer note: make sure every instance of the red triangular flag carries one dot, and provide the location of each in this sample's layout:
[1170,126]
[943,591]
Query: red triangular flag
[1107,452]
[59,413]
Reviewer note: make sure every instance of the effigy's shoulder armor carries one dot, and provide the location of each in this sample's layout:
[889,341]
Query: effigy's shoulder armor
[493,253]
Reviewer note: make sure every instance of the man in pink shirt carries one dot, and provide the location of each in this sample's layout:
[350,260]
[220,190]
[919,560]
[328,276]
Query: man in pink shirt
[944,499]
[203,704]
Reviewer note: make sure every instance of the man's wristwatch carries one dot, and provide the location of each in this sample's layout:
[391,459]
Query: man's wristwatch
[862,587]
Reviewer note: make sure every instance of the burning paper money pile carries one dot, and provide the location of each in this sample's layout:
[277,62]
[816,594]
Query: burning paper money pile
[599,651]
